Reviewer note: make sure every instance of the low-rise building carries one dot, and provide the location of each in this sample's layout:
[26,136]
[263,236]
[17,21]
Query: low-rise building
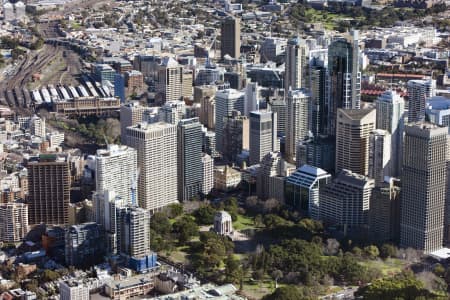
[129,288]
[226,178]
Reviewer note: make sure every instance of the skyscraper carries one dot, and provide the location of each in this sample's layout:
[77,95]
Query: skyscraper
[345,202]
[208,174]
[418,92]
[130,114]
[170,80]
[390,108]
[318,119]
[230,42]
[49,189]
[134,230]
[84,245]
[13,222]
[296,65]
[235,135]
[156,146]
[352,139]
[172,112]
[226,100]
[379,155]
[116,169]
[438,111]
[190,175]
[344,77]
[423,187]
[263,135]
[297,121]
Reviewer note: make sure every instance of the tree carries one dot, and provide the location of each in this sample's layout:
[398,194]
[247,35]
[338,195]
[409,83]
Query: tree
[402,286]
[160,223]
[205,215]
[233,270]
[49,275]
[185,229]
[387,251]
[371,251]
[289,292]
[332,247]
[175,210]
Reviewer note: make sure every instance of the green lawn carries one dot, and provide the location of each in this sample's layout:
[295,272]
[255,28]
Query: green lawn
[389,266]
[243,222]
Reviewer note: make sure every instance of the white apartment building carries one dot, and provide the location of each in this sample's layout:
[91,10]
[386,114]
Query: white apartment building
[13,222]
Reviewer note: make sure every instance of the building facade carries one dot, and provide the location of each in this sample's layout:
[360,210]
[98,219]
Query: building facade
[263,135]
[297,121]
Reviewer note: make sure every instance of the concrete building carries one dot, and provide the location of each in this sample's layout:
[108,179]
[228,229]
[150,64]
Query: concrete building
[208,174]
[13,222]
[296,65]
[107,206]
[424,187]
[190,174]
[279,106]
[73,290]
[226,178]
[352,139]
[271,176]
[134,81]
[418,92]
[345,202]
[49,189]
[263,135]
[208,112]
[55,139]
[84,245]
[297,121]
[302,189]
[103,73]
[379,155]
[230,42]
[272,49]
[170,80]
[134,231]
[156,146]
[390,110]
[252,96]
[384,214]
[131,114]
[226,101]
[37,126]
[172,112]
[223,224]
[318,118]
[437,111]
[344,77]
[235,135]
[129,288]
[116,170]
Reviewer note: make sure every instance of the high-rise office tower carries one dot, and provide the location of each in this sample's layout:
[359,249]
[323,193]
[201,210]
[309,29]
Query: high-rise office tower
[208,174]
[208,112]
[172,112]
[263,135]
[116,170]
[345,202]
[296,65]
[130,114]
[190,176]
[418,92]
[390,108]
[352,139]
[297,121]
[13,222]
[134,230]
[251,101]
[384,214]
[302,189]
[107,206]
[319,101]
[230,42]
[235,135]
[49,189]
[156,146]
[279,107]
[379,155]
[226,100]
[423,187]
[344,77]
[170,80]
